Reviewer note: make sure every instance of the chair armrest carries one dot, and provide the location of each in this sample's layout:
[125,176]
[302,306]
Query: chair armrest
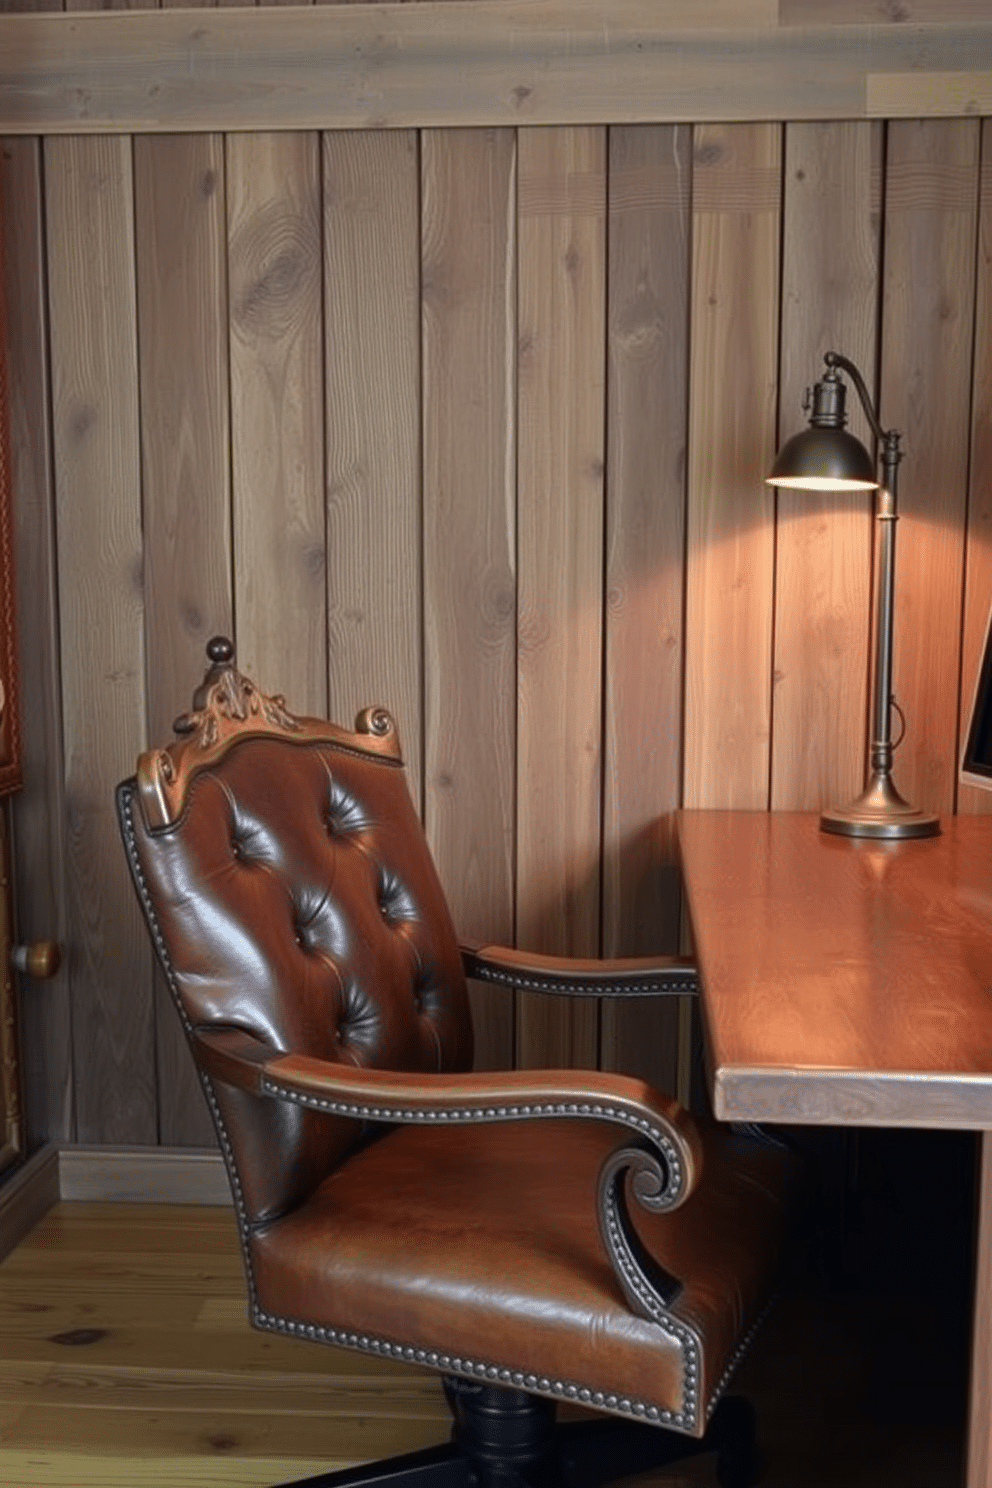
[661,1129]
[631,976]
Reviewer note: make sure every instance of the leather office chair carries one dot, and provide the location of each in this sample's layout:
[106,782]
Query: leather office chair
[388,1199]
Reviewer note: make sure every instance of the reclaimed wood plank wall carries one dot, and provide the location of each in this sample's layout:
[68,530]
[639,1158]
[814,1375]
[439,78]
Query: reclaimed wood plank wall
[474,422]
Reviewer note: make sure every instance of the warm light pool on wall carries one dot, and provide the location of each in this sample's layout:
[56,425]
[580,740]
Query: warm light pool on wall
[825,457]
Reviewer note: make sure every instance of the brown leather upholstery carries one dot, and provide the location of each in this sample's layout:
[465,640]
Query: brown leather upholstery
[389,1200]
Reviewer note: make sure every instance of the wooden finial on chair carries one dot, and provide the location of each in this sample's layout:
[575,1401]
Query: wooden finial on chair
[227,708]
[220,652]
[226,698]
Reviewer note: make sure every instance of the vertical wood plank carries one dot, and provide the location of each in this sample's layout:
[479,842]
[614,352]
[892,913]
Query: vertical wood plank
[38,840]
[732,379]
[927,331]
[78,5]
[823,583]
[182,339]
[185,447]
[24,7]
[210,4]
[372,369]
[90,240]
[650,171]
[277,413]
[978,575]
[470,542]
[562,242]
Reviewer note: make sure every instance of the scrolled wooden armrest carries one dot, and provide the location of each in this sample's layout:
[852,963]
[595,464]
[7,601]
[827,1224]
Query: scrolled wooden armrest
[630,976]
[656,1126]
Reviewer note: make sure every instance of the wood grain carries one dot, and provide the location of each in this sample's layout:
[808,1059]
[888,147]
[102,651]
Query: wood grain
[20,7]
[927,339]
[844,982]
[470,602]
[479,63]
[729,576]
[877,12]
[95,424]
[170,1384]
[561,340]
[38,833]
[823,574]
[183,384]
[650,173]
[185,448]
[277,413]
[372,421]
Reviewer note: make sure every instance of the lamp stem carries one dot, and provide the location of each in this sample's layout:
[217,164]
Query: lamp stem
[880,810]
[886,516]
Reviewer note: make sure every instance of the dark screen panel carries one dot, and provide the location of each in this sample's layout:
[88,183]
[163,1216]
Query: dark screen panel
[976,761]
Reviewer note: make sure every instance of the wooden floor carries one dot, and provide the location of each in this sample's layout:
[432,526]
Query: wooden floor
[126,1359]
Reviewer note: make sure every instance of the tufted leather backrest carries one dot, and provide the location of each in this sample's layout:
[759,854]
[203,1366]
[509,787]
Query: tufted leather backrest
[291,894]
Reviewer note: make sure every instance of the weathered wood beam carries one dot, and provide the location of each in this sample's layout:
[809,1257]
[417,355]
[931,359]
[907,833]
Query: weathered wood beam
[488,62]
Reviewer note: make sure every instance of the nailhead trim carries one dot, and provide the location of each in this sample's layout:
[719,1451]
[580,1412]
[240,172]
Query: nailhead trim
[540,1384]
[684,983]
[589,1110]
[737,1355]
[237,1194]
[654,1309]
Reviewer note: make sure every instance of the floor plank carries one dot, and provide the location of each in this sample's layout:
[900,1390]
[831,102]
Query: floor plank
[126,1357]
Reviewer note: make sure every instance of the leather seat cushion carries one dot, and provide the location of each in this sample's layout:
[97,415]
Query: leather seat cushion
[479,1244]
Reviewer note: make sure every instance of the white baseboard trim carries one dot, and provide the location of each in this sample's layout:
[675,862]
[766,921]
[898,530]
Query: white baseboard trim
[143,1175]
[130,1175]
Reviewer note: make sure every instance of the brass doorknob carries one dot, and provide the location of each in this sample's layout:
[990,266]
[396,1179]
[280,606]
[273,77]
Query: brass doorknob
[41,959]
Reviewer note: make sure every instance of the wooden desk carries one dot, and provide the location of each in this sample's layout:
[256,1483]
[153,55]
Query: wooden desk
[849,982]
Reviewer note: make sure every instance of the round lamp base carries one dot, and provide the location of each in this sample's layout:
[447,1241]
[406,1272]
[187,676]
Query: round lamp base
[850,824]
[880,811]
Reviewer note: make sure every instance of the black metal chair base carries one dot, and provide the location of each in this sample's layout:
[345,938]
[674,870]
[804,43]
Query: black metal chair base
[508,1439]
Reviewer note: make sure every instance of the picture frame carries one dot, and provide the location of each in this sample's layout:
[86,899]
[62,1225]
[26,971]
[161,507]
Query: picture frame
[10,732]
[11,1123]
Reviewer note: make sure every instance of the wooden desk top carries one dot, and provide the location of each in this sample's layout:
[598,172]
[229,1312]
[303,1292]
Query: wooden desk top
[844,981]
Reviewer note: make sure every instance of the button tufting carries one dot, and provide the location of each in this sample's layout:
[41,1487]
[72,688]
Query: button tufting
[395,902]
[343,813]
[427,996]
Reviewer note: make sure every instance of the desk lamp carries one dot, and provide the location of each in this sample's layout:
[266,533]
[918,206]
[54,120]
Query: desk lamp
[825,457]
